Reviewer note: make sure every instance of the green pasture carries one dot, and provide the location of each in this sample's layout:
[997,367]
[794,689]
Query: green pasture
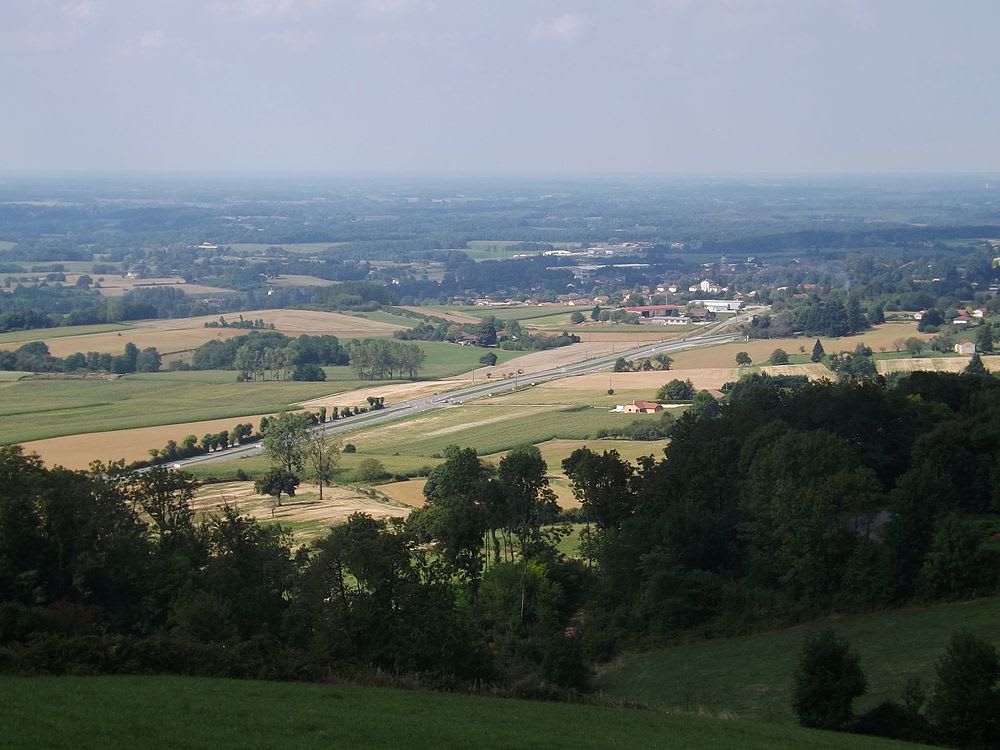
[122,713]
[380,316]
[256,465]
[488,429]
[35,409]
[752,676]
[445,359]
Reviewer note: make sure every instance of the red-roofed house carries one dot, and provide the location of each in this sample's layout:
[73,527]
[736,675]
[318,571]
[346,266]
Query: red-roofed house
[642,407]
[653,311]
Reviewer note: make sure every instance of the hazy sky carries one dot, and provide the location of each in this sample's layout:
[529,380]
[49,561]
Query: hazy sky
[674,86]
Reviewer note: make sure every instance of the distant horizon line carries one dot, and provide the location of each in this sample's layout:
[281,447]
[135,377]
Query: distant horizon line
[483,173]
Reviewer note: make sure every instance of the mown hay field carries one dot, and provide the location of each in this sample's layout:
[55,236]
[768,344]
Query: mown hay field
[934,364]
[36,334]
[185,334]
[410,492]
[441,312]
[116,286]
[304,514]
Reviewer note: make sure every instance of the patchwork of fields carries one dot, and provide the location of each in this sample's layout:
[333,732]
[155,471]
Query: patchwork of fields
[878,338]
[71,420]
[33,409]
[179,335]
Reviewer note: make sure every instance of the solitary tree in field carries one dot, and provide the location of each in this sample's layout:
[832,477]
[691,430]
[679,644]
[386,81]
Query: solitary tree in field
[827,681]
[276,482]
[743,359]
[818,352]
[322,454]
[779,357]
[284,440]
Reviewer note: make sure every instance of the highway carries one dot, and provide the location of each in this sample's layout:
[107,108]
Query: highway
[462,394]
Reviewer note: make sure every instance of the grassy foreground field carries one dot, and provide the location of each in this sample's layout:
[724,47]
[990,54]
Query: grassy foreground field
[752,676]
[177,712]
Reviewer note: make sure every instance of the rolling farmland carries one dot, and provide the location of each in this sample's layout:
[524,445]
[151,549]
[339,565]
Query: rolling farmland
[180,335]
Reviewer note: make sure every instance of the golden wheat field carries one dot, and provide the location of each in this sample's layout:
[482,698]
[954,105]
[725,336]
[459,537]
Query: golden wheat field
[77,451]
[936,364]
[879,338]
[410,492]
[184,334]
[454,317]
[116,286]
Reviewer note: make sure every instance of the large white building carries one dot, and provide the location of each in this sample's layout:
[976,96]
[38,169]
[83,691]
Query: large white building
[719,305]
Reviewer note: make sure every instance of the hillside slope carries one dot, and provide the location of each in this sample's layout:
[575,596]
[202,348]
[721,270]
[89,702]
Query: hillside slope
[752,676]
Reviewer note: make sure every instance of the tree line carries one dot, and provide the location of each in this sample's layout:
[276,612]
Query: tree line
[36,357]
[111,571]
[380,359]
[270,355]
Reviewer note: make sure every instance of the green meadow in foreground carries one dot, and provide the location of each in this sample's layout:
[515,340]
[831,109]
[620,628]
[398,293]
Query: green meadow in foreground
[77,713]
[752,676]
